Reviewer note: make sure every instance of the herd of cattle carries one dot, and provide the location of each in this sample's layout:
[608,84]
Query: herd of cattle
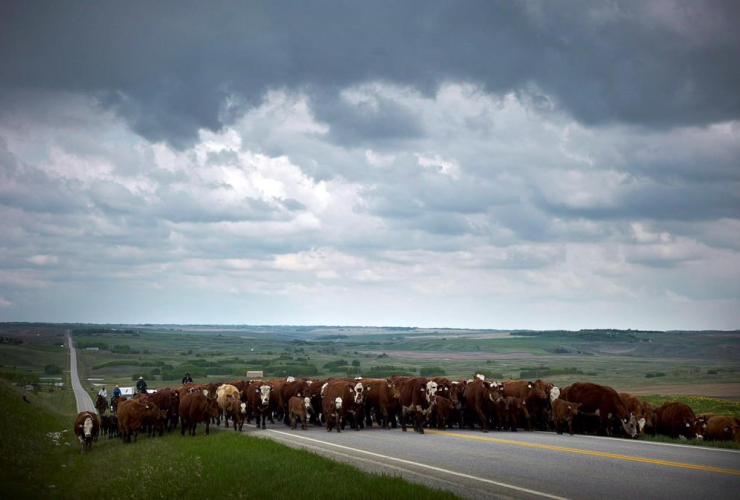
[420,402]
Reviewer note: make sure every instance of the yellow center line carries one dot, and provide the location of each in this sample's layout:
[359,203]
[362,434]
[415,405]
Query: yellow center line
[615,456]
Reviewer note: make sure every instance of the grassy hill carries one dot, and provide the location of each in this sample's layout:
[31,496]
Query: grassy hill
[40,458]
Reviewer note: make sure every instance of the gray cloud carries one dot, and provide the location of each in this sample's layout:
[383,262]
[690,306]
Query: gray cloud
[482,162]
[169,68]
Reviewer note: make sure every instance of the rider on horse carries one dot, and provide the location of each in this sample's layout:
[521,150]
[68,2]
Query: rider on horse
[115,394]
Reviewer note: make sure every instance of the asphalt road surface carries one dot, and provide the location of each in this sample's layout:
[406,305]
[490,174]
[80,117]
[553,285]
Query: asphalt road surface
[84,402]
[529,464]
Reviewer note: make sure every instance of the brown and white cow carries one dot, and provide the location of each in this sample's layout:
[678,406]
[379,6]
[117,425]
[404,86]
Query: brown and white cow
[132,414]
[534,396]
[563,412]
[381,402]
[721,428]
[332,409]
[261,401]
[352,394]
[643,412]
[602,402]
[480,398]
[236,411]
[299,408]
[86,428]
[197,407]
[316,395]
[677,420]
[417,396]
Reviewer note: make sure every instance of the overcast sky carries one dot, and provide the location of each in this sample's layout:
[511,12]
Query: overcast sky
[467,164]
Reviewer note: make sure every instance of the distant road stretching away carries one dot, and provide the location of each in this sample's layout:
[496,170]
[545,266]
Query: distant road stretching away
[84,402]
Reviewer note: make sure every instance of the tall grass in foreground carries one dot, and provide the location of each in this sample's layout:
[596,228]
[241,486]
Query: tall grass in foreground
[223,465]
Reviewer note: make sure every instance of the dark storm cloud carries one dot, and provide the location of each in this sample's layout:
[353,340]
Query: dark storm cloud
[167,68]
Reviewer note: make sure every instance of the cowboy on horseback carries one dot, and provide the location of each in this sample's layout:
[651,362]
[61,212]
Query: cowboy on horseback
[101,402]
[114,399]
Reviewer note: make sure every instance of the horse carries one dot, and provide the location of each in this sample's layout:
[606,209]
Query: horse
[101,404]
[114,403]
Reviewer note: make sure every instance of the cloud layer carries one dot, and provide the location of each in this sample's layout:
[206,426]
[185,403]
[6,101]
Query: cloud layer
[473,164]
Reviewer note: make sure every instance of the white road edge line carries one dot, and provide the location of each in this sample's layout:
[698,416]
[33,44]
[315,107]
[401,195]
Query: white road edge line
[319,449]
[425,466]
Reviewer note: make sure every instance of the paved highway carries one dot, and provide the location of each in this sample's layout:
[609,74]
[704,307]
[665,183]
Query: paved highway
[84,402]
[529,465]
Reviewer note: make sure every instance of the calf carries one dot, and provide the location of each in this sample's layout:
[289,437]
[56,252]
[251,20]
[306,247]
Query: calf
[516,412]
[564,412]
[113,427]
[298,408]
[235,410]
[332,409]
[442,411]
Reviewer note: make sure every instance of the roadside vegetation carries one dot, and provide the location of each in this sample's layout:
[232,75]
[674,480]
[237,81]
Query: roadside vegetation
[40,458]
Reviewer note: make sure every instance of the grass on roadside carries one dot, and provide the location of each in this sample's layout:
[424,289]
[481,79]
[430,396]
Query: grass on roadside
[699,405]
[222,465]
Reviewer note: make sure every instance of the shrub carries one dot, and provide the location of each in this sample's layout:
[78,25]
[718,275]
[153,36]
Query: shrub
[52,370]
[654,374]
[355,362]
[432,371]
[335,365]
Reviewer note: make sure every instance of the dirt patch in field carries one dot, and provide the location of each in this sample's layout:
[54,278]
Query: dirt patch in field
[457,355]
[722,391]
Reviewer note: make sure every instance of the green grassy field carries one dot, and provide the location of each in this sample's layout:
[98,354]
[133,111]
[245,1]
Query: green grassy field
[40,458]
[647,362]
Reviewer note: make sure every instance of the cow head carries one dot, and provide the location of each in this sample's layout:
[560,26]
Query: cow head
[87,427]
[554,394]
[456,390]
[358,390]
[307,404]
[338,403]
[629,424]
[431,390]
[573,409]
[264,392]
[243,408]
[694,429]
